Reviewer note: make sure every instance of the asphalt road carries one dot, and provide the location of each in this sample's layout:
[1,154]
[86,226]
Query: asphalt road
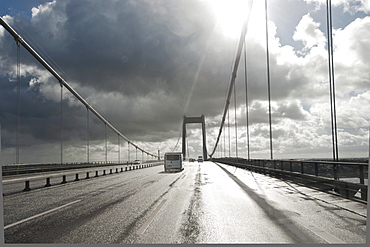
[205,203]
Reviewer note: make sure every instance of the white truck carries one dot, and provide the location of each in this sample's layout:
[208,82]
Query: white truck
[173,161]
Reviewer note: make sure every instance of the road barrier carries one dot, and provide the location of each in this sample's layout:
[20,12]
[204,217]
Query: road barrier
[27,180]
[322,175]
[16,169]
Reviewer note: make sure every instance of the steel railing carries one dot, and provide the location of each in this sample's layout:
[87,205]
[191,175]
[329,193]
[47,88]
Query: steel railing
[344,178]
[93,172]
[38,167]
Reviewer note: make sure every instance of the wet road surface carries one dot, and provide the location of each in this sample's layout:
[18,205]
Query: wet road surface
[205,203]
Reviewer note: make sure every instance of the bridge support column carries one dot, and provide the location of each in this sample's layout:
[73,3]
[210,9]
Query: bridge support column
[200,120]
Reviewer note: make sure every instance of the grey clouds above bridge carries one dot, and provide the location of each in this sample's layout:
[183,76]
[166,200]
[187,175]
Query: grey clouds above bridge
[144,64]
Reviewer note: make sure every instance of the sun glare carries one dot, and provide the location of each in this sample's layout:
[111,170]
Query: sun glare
[230,15]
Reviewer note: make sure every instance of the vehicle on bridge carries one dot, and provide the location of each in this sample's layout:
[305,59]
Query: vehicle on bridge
[173,161]
[200,158]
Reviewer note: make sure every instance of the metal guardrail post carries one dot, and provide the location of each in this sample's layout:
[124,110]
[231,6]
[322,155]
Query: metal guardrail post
[302,167]
[362,175]
[335,170]
[77,179]
[96,174]
[47,182]
[364,194]
[87,175]
[64,181]
[27,186]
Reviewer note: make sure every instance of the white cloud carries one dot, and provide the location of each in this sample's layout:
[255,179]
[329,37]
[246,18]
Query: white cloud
[309,33]
[8,19]
[43,9]
[350,6]
[351,57]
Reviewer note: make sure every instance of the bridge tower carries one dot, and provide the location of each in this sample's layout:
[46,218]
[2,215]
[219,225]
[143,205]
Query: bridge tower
[194,120]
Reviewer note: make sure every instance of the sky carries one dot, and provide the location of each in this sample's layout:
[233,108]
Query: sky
[144,64]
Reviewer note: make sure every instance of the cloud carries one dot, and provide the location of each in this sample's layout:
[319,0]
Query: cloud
[350,6]
[144,64]
[309,33]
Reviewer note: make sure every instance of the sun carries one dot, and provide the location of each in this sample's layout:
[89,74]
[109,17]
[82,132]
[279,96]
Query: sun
[230,15]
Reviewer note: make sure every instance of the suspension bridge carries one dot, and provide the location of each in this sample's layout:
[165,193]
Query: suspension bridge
[224,200]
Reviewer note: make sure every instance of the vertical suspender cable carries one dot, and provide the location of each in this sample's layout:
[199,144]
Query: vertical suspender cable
[228,128]
[268,79]
[18,100]
[128,152]
[61,123]
[236,124]
[246,97]
[333,78]
[106,145]
[87,135]
[221,149]
[331,81]
[330,84]
[224,143]
[119,149]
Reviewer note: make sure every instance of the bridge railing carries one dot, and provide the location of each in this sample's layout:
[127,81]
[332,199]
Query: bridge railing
[347,179]
[91,172]
[16,169]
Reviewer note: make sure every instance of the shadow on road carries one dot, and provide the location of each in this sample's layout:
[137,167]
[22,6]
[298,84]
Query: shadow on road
[277,216]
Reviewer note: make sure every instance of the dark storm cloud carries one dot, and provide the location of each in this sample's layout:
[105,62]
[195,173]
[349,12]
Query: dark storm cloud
[134,49]
[107,45]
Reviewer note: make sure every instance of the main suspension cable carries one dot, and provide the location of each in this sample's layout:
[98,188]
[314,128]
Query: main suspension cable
[233,76]
[62,81]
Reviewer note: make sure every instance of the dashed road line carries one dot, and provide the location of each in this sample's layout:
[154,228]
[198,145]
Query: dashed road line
[150,219]
[38,215]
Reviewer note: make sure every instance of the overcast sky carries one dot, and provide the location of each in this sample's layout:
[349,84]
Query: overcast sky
[144,64]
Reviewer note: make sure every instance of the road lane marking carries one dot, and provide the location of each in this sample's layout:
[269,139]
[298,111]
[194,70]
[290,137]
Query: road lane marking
[38,215]
[150,219]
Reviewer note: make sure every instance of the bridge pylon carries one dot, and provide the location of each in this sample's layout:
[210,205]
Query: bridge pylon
[200,120]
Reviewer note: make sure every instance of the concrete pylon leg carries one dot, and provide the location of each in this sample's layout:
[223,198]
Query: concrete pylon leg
[200,120]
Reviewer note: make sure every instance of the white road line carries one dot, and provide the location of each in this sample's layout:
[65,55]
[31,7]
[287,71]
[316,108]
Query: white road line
[331,239]
[38,215]
[150,219]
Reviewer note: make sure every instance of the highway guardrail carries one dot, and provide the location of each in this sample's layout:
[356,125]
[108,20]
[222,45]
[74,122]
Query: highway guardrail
[323,175]
[89,173]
